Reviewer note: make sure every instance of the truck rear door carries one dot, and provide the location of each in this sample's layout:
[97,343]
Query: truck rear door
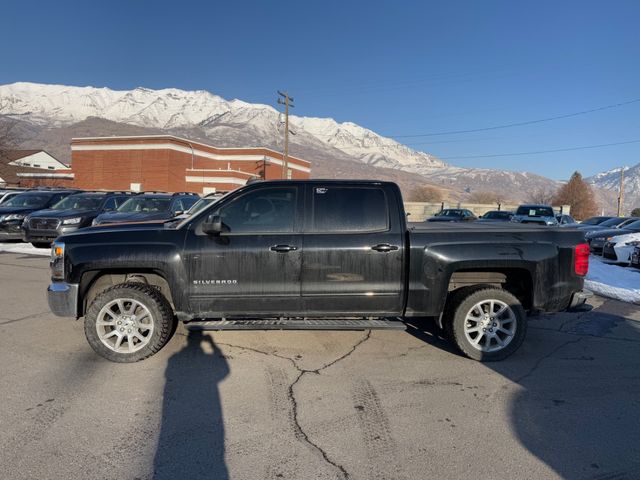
[353,251]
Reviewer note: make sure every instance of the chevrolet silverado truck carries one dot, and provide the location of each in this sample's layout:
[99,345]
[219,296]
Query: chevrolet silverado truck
[315,254]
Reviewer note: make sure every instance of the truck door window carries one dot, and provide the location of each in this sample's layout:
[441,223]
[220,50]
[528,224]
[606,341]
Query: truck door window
[269,210]
[349,209]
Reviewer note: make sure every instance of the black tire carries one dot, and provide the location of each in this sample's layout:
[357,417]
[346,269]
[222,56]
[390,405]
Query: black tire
[41,244]
[157,305]
[460,304]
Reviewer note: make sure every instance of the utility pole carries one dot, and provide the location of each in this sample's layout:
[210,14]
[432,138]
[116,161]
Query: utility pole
[287,101]
[621,191]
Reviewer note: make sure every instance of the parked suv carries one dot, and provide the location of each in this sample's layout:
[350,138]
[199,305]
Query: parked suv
[14,211]
[149,206]
[536,214]
[70,214]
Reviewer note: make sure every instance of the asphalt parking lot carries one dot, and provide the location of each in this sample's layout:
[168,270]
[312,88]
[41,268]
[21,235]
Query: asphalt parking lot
[307,405]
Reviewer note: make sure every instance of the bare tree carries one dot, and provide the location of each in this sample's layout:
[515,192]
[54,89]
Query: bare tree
[426,193]
[577,193]
[543,196]
[485,196]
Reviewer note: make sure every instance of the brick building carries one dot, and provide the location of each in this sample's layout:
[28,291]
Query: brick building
[173,164]
[31,168]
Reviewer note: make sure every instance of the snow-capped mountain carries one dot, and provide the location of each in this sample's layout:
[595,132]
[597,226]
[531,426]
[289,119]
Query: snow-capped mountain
[610,181]
[171,108]
[52,114]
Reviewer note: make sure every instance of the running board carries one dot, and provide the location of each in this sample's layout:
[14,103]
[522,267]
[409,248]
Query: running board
[297,324]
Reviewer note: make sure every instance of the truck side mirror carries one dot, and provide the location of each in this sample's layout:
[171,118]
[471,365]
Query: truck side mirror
[212,225]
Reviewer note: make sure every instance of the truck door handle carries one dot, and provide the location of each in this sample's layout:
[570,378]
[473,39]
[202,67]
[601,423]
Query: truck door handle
[283,248]
[384,247]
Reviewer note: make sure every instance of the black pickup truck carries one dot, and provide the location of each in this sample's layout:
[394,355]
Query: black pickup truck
[315,254]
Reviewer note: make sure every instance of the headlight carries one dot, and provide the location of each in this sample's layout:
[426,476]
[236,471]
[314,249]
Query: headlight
[57,261]
[72,221]
[13,216]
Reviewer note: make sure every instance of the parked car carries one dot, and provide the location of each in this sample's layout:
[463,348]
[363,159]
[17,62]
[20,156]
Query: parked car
[5,195]
[635,257]
[149,206]
[315,254]
[597,239]
[620,248]
[70,214]
[593,221]
[453,215]
[565,220]
[536,214]
[200,204]
[14,211]
[610,223]
[496,216]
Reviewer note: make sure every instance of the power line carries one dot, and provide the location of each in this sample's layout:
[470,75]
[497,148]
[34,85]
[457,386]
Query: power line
[537,152]
[520,124]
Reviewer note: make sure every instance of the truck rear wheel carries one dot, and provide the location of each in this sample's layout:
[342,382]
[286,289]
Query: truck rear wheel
[486,324]
[128,322]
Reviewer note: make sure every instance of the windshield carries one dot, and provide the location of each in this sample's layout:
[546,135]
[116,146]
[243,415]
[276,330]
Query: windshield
[628,221]
[145,205]
[612,222]
[450,213]
[534,211]
[497,215]
[200,204]
[595,220]
[79,202]
[635,225]
[28,200]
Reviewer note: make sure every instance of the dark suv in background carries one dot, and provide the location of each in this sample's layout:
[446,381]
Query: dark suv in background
[149,206]
[70,214]
[15,210]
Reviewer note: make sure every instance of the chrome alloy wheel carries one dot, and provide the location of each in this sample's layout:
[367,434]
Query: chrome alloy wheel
[124,325]
[490,325]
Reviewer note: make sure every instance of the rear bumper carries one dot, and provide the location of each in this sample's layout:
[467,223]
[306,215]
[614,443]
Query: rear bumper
[579,298]
[63,299]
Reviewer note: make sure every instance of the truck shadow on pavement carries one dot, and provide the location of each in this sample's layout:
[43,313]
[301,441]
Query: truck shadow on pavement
[191,441]
[576,401]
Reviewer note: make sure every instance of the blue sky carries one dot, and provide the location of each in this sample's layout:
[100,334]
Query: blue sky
[399,68]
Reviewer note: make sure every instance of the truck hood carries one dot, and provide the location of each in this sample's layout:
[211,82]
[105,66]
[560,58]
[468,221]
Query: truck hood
[119,217]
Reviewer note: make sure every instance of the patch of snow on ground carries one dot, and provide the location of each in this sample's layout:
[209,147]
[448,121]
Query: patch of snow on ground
[24,248]
[620,283]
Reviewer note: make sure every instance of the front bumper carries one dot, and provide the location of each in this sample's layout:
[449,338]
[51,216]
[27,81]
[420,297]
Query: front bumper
[579,298]
[617,253]
[63,299]
[36,235]
[11,230]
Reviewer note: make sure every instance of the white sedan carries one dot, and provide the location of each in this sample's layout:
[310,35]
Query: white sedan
[619,249]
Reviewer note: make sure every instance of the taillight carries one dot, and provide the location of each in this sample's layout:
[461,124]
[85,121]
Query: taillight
[581,259]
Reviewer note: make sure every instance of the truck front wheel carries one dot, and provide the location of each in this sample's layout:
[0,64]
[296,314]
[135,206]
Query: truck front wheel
[128,322]
[486,324]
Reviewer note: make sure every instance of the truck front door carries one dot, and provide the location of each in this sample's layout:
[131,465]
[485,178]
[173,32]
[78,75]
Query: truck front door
[253,266]
[353,251]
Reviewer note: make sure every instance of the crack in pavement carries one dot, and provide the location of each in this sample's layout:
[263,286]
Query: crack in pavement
[7,322]
[300,433]
[545,357]
[591,335]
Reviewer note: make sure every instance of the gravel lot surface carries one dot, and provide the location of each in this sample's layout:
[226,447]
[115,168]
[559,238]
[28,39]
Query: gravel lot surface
[307,405]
